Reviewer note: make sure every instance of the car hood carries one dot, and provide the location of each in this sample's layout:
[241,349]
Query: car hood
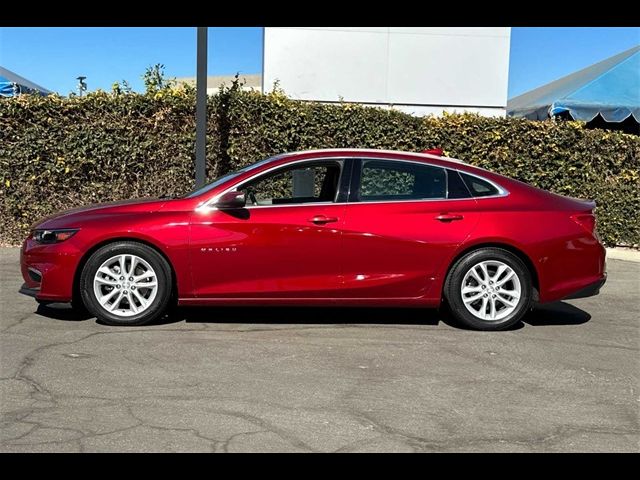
[69,218]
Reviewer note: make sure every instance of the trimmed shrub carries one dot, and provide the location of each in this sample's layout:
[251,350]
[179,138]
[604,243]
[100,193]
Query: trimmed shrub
[562,157]
[58,153]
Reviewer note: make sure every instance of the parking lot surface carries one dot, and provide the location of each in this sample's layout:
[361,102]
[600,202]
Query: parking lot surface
[277,379]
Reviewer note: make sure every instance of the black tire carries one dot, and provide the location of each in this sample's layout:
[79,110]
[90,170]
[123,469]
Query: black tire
[148,254]
[453,285]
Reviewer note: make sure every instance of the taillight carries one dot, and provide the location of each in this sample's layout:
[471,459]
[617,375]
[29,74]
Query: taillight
[586,221]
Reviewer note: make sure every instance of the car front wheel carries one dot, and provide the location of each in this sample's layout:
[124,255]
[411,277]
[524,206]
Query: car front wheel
[126,283]
[488,289]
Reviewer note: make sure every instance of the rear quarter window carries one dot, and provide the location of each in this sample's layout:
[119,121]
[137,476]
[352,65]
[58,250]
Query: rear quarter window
[479,187]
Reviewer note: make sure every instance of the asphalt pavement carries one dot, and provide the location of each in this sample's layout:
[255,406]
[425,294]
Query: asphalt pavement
[349,380]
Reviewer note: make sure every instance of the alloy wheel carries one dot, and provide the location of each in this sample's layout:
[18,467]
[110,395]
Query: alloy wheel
[125,285]
[491,290]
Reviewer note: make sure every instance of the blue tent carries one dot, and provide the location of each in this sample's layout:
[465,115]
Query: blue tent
[12,84]
[610,88]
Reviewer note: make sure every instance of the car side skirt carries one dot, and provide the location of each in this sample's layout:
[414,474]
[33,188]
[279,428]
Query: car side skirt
[318,302]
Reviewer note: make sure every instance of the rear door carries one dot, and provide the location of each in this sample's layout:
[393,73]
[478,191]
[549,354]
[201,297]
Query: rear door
[402,220]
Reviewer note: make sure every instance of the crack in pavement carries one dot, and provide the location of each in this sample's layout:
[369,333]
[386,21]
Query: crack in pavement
[561,433]
[19,322]
[319,386]
[225,446]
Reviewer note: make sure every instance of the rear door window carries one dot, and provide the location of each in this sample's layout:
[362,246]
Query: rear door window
[385,180]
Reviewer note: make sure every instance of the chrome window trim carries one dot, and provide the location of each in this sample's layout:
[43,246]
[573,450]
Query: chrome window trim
[207,204]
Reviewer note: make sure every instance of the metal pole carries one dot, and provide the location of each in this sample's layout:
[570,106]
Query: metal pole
[201,108]
[81,85]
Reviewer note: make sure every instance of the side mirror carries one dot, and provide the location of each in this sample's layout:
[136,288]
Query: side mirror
[232,200]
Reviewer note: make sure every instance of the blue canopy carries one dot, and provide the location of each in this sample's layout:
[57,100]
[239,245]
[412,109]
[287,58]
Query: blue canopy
[12,84]
[610,88]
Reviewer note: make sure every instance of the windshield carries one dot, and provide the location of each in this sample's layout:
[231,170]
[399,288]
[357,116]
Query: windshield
[228,176]
[214,184]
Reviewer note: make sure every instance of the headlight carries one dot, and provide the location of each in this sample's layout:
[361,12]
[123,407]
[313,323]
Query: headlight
[53,236]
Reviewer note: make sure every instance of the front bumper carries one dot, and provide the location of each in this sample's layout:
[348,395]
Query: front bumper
[590,290]
[29,291]
[33,293]
[48,270]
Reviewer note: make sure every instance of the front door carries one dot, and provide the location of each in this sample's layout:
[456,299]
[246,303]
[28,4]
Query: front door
[286,243]
[401,223]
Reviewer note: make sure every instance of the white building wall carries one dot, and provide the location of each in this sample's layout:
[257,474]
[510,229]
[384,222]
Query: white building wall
[419,70]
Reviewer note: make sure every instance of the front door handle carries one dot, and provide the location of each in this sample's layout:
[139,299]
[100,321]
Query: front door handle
[449,217]
[321,219]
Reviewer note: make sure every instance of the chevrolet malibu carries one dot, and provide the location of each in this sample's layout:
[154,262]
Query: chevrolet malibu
[327,227]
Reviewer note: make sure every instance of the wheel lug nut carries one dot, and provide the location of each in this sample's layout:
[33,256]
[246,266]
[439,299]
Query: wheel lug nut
[483,287]
[133,287]
[131,279]
[485,295]
[118,286]
[121,278]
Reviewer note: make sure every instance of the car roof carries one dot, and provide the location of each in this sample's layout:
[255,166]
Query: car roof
[354,152]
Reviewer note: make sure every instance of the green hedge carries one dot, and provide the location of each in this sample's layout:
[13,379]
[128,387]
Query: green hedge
[58,153]
[562,157]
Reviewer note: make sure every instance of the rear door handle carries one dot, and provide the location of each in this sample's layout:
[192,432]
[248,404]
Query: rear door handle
[321,219]
[449,217]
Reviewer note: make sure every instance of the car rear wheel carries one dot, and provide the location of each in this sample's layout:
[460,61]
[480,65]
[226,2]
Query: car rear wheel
[488,289]
[126,283]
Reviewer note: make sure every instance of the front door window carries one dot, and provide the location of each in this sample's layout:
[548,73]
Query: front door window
[315,183]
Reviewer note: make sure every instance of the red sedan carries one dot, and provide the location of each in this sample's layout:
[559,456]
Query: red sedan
[326,227]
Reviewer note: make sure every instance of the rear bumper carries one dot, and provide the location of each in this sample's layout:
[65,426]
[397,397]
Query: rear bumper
[575,268]
[590,290]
